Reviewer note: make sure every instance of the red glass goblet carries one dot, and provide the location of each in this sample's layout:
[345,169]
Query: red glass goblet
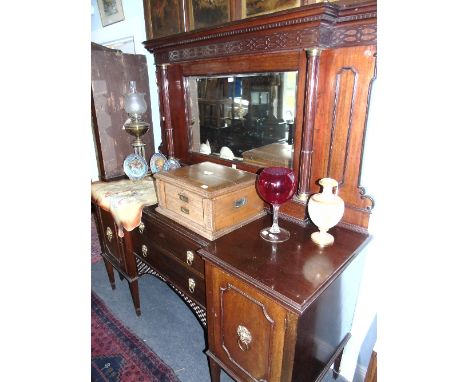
[276,185]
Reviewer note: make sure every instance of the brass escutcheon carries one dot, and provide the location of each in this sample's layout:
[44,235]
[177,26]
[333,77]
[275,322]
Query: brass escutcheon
[109,234]
[190,257]
[141,227]
[240,202]
[244,338]
[144,250]
[185,210]
[183,197]
[191,285]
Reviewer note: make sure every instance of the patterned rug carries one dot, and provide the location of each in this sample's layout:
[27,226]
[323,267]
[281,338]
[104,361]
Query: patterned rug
[117,355]
[95,245]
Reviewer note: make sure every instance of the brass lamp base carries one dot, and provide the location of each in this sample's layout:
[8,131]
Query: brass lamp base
[136,128]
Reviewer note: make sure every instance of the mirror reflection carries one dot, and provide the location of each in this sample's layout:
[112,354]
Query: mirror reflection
[248,117]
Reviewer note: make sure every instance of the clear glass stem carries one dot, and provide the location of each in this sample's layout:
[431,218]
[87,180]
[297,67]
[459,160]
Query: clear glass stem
[275,227]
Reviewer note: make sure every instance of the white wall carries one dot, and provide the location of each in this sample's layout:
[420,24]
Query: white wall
[132,26]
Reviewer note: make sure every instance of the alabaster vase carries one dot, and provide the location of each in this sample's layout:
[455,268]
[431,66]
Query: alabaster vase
[325,210]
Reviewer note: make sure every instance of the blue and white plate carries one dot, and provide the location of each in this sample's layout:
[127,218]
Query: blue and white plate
[171,164]
[135,166]
[157,162]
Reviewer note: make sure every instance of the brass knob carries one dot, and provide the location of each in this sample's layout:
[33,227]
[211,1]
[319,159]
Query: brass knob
[144,250]
[190,257]
[244,338]
[109,234]
[141,227]
[191,285]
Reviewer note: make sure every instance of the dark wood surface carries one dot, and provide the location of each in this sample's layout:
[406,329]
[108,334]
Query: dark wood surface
[117,253]
[295,299]
[284,270]
[166,252]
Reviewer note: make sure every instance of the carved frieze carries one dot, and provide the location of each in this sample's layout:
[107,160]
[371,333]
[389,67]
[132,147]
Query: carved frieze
[261,43]
[354,35]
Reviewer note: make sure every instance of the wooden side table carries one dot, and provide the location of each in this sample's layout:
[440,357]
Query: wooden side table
[118,211]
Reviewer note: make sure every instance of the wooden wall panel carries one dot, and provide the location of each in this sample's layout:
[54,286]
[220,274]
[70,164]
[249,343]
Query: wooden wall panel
[345,79]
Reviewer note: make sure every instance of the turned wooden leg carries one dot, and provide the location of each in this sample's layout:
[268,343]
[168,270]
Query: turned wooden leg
[336,365]
[110,273]
[135,296]
[215,371]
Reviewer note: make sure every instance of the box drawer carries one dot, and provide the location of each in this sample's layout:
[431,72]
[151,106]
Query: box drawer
[184,249]
[177,273]
[184,203]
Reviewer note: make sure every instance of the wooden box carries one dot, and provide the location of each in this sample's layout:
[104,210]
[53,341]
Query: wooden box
[209,198]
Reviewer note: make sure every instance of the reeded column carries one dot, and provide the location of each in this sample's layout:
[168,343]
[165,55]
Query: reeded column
[305,166]
[166,110]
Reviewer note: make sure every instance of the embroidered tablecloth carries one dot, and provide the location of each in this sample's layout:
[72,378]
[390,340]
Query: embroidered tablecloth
[125,200]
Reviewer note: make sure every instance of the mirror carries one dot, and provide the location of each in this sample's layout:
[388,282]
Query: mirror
[244,117]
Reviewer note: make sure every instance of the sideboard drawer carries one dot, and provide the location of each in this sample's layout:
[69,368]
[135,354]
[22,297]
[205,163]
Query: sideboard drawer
[246,328]
[179,246]
[187,280]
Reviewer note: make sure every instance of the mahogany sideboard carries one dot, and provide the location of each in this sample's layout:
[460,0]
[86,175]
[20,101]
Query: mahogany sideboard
[272,312]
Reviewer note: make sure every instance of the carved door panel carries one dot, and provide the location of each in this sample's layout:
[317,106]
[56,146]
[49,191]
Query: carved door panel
[344,82]
[247,329]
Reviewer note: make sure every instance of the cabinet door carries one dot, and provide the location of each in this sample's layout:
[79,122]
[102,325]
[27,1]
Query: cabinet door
[246,329]
[110,238]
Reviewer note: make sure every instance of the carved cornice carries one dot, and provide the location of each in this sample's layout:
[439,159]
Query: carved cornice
[250,29]
[363,16]
[289,30]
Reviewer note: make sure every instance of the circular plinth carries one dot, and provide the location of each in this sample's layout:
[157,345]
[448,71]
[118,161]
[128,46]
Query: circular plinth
[322,239]
[274,237]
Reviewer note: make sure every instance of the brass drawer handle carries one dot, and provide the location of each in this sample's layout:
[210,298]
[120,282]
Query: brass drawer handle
[240,202]
[144,250]
[109,234]
[190,257]
[183,197]
[191,285]
[185,210]
[141,227]
[244,338]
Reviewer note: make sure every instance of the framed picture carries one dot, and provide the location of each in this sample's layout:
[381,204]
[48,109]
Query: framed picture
[259,7]
[111,11]
[163,17]
[206,13]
